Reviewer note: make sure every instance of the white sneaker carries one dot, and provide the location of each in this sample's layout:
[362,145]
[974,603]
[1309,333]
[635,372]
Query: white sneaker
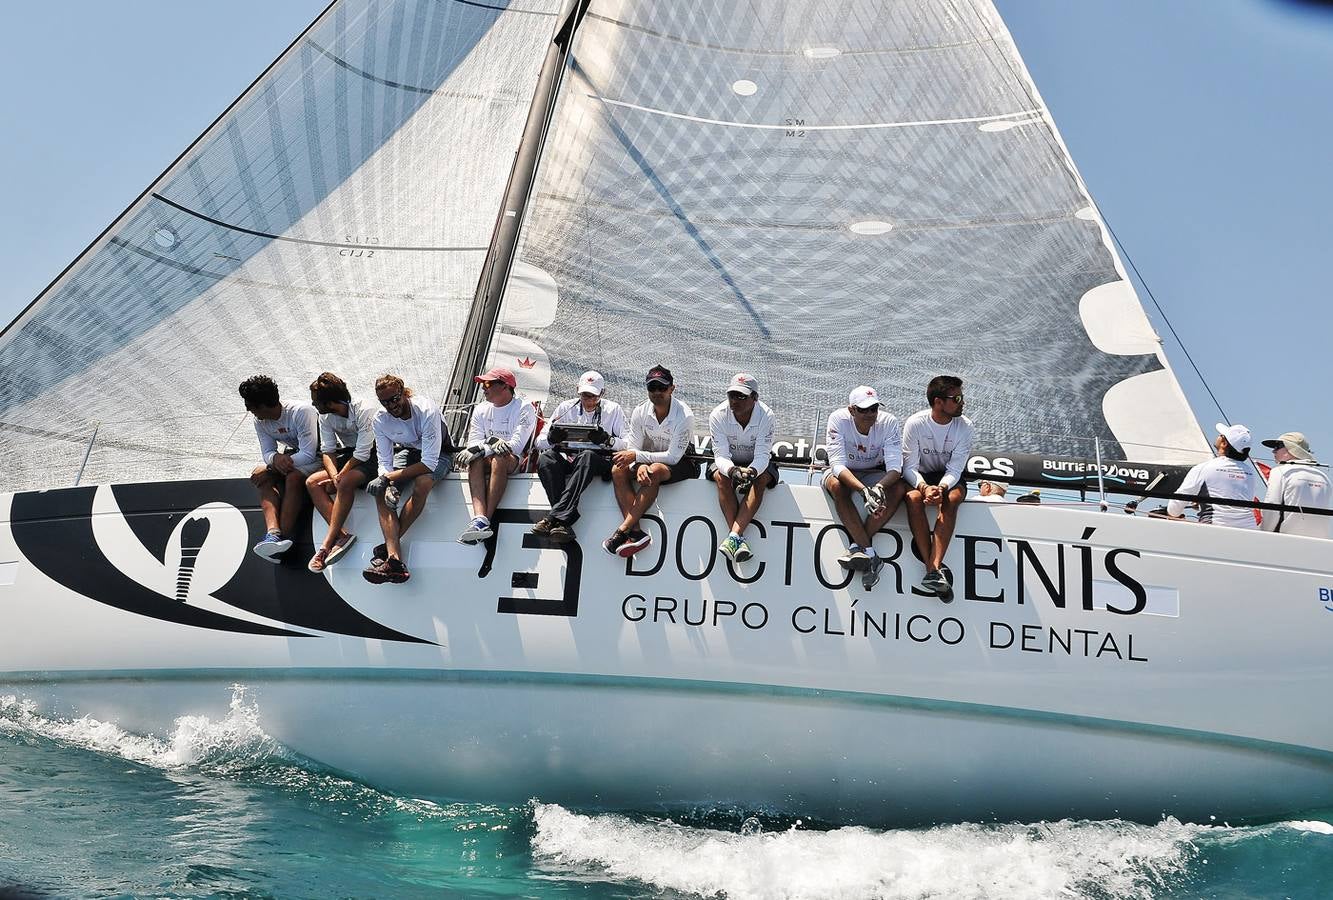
[478,531]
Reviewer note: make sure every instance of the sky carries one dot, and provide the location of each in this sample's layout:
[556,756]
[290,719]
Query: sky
[1203,129]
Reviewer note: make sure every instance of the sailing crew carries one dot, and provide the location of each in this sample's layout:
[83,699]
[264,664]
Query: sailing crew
[1227,476]
[410,446]
[743,466]
[502,425]
[1297,481]
[936,444]
[289,447]
[565,473]
[660,432]
[865,454]
[347,438]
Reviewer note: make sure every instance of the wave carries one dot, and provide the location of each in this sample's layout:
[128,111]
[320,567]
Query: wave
[1108,859]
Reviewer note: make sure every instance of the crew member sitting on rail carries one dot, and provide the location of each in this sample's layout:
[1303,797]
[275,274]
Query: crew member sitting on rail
[660,432]
[991,491]
[865,454]
[289,446]
[1297,481]
[502,425]
[936,444]
[347,437]
[743,466]
[566,472]
[409,444]
[1227,476]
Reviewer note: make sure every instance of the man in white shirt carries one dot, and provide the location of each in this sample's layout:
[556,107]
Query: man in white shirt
[743,464]
[289,447]
[1297,481]
[660,432]
[1227,476]
[991,491]
[347,438]
[566,473]
[865,454]
[936,444]
[502,425]
[410,445]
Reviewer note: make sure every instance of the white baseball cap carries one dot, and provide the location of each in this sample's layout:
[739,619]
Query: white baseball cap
[1237,436]
[745,383]
[863,397]
[592,383]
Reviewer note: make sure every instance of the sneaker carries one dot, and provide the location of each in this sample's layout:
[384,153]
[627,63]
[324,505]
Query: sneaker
[932,582]
[946,573]
[394,571]
[271,546]
[560,533]
[743,552]
[635,541]
[545,525]
[870,577]
[613,543]
[319,561]
[730,547]
[340,548]
[375,572]
[946,584]
[855,559]
[381,551]
[478,531]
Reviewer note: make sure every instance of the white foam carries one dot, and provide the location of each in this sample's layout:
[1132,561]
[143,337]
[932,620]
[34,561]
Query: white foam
[193,738]
[1060,859]
[1313,825]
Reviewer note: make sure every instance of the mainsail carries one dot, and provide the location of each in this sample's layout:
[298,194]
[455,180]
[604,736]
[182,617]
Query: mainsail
[335,217]
[827,194]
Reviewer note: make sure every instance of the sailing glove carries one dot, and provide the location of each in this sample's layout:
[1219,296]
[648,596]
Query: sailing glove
[600,436]
[465,458]
[498,447]
[556,434]
[874,497]
[742,477]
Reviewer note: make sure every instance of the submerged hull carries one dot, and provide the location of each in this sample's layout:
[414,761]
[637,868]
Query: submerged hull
[1092,665]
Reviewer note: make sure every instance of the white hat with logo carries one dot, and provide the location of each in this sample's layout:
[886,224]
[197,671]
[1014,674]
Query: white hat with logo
[592,383]
[863,397]
[1237,436]
[744,383]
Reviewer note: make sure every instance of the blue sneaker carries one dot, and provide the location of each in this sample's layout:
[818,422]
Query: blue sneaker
[730,547]
[272,546]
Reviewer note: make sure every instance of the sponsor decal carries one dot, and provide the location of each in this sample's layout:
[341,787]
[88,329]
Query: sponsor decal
[1326,597]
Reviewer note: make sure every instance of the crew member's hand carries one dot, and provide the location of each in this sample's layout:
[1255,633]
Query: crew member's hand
[556,434]
[625,458]
[874,497]
[934,495]
[643,476]
[282,463]
[331,488]
[600,436]
[742,477]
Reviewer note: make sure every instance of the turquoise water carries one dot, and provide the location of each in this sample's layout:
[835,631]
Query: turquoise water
[219,809]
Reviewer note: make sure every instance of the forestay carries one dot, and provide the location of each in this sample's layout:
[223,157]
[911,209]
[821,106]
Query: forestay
[335,217]
[826,194]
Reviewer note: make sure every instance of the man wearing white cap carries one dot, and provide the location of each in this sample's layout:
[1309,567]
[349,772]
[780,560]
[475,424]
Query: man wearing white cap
[865,455]
[1297,481]
[1227,476]
[565,473]
[742,432]
[502,425]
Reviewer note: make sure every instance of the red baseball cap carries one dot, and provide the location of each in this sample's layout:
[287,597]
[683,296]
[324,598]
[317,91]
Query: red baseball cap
[498,374]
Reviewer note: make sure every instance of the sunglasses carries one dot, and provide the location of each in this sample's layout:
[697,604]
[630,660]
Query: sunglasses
[391,401]
[657,387]
[736,395]
[956,398]
[487,385]
[867,410]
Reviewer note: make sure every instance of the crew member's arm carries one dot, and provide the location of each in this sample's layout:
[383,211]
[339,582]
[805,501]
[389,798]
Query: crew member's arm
[717,427]
[328,443]
[544,439]
[893,451]
[365,435]
[522,433]
[834,447]
[1191,485]
[912,456]
[681,436]
[268,447]
[305,422]
[1273,517]
[763,444]
[383,445]
[431,424]
[614,424]
[958,458]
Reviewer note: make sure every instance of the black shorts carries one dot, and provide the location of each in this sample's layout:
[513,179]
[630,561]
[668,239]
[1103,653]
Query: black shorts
[771,471]
[934,478]
[369,468]
[682,471]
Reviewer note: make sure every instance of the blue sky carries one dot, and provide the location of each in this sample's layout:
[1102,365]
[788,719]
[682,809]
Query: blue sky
[1203,128]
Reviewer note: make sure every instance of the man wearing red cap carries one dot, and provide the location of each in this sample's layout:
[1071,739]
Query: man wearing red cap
[502,425]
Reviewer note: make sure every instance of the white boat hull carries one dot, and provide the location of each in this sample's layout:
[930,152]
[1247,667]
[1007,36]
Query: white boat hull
[580,678]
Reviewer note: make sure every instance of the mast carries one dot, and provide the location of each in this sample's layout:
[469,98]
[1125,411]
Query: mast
[485,310]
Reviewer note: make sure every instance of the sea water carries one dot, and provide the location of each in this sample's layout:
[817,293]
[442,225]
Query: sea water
[220,809]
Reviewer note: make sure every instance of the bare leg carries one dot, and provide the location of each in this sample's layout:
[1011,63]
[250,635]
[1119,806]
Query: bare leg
[501,466]
[476,481]
[347,483]
[726,497]
[916,517]
[944,525]
[293,501]
[622,482]
[847,514]
[893,495]
[317,486]
[657,473]
[389,525]
[745,514]
[416,504]
[269,498]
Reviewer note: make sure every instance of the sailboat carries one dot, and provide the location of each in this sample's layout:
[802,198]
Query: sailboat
[434,187]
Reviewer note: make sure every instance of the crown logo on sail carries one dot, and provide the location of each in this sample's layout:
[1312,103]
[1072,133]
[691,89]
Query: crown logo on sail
[526,363]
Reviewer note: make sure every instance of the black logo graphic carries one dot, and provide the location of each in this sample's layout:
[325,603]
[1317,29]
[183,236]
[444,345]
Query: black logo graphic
[568,604]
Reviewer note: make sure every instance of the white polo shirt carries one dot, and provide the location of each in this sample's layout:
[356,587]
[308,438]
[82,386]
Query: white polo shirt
[733,445]
[420,430]
[355,430]
[297,428]
[666,441]
[848,448]
[929,447]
